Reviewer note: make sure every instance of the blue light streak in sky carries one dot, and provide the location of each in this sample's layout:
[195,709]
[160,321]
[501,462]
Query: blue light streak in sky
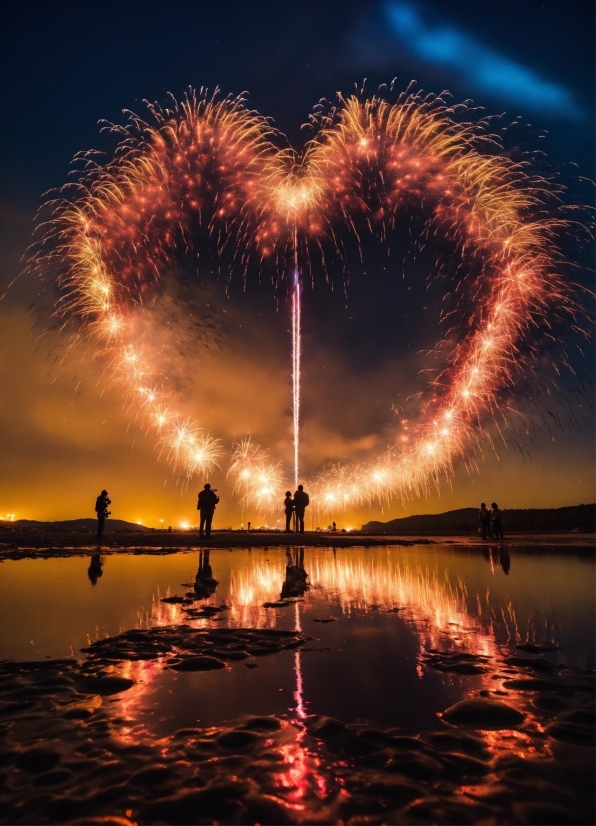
[484,68]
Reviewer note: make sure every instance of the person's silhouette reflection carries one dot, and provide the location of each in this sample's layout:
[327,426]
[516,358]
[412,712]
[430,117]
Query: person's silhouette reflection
[95,569]
[504,560]
[205,585]
[498,555]
[296,581]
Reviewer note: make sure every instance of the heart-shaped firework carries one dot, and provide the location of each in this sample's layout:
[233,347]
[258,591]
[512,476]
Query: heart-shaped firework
[212,166]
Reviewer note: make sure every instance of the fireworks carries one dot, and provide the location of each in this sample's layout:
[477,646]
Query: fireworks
[214,165]
[257,479]
[296,353]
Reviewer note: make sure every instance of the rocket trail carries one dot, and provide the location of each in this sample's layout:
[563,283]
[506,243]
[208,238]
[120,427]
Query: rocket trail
[296,346]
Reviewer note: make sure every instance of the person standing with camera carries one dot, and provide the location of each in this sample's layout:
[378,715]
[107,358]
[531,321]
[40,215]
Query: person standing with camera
[101,509]
[208,499]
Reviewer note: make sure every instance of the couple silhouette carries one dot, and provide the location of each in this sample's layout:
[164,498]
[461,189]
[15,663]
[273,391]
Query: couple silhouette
[296,506]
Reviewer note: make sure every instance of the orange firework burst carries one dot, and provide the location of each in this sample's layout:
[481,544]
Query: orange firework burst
[257,479]
[213,165]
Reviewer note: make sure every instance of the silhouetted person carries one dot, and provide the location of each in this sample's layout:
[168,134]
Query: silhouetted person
[208,499]
[289,510]
[504,560]
[301,502]
[484,516]
[333,527]
[101,509]
[495,521]
[296,581]
[205,585]
[95,570]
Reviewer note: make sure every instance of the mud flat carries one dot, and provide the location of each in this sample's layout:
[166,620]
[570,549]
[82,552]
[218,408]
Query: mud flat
[521,752]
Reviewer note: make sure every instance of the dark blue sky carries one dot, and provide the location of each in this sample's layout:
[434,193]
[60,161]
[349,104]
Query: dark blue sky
[64,65]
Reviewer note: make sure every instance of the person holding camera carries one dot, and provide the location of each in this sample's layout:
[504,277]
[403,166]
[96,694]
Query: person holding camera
[101,509]
[208,499]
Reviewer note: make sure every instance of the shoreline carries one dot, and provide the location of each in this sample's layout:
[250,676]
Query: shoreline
[33,544]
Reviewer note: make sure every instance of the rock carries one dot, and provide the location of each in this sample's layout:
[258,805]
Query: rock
[230,655]
[459,668]
[489,715]
[328,728]
[38,760]
[574,735]
[546,702]
[537,812]
[58,777]
[238,739]
[583,716]
[463,765]
[415,766]
[104,685]
[575,727]
[198,664]
[407,743]
[531,684]
[531,648]
[152,776]
[526,662]
[262,724]
[455,741]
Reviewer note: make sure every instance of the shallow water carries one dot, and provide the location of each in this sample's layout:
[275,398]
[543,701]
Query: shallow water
[408,633]
[388,605]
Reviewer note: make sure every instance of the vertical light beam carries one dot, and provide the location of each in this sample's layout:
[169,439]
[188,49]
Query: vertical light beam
[296,344]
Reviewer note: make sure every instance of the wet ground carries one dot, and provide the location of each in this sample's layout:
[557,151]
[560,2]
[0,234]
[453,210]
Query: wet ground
[424,684]
[18,543]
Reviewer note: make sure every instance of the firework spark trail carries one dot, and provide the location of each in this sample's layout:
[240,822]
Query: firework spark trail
[257,479]
[296,353]
[214,164]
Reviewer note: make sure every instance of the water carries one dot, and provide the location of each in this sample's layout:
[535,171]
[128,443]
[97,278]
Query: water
[389,605]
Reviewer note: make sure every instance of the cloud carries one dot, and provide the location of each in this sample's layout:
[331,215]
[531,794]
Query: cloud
[487,70]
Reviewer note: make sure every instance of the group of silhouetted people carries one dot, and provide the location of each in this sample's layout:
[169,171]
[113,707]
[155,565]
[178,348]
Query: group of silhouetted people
[207,500]
[490,521]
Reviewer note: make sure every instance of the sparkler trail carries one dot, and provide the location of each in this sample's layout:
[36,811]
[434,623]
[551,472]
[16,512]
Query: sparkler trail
[213,167]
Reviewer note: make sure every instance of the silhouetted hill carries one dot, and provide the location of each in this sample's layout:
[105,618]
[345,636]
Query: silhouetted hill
[112,525]
[580,518]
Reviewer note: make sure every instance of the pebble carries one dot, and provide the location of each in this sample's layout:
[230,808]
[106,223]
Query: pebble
[479,713]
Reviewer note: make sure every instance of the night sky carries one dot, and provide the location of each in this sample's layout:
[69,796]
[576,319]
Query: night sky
[65,66]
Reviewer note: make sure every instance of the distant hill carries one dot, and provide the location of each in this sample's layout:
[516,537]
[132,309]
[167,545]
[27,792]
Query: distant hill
[580,518]
[112,525]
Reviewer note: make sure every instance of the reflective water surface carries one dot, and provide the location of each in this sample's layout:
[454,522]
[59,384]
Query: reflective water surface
[388,606]
[395,637]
